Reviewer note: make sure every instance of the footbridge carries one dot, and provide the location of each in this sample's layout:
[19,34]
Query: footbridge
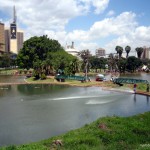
[63,77]
[129,81]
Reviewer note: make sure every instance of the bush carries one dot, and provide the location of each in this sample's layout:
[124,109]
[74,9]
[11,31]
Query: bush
[20,71]
[25,71]
[43,76]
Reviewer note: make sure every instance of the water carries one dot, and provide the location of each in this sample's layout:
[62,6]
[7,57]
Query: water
[31,113]
[11,79]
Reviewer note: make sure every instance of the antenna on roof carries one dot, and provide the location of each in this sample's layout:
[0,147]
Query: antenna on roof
[14,15]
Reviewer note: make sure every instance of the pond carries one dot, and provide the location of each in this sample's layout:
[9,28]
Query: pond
[31,113]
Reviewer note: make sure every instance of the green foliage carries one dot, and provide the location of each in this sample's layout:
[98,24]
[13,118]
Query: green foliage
[127,49]
[36,48]
[119,50]
[122,65]
[139,51]
[97,63]
[20,71]
[36,75]
[6,61]
[85,56]
[45,55]
[43,76]
[133,63]
[25,71]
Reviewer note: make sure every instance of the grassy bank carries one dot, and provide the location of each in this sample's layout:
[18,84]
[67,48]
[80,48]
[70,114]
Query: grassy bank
[108,133]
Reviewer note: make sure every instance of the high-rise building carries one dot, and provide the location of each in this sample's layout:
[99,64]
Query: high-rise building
[2,38]
[146,53]
[20,37]
[100,52]
[13,36]
[7,40]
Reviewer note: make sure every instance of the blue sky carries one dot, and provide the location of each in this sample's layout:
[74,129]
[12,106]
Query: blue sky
[91,24]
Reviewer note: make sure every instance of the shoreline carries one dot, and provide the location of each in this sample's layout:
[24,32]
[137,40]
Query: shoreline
[96,84]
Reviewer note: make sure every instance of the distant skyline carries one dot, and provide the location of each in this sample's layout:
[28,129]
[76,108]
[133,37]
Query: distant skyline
[91,24]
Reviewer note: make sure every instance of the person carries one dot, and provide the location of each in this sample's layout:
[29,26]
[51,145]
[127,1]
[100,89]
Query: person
[89,79]
[147,88]
[134,87]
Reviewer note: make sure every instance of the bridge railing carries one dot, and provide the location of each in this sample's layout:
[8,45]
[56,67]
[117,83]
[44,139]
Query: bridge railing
[129,81]
[63,77]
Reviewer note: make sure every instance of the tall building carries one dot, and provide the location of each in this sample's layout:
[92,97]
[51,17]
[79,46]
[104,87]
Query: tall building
[13,36]
[146,53]
[20,37]
[2,38]
[100,52]
[7,40]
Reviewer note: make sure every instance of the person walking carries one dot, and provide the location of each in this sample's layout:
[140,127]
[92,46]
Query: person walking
[134,87]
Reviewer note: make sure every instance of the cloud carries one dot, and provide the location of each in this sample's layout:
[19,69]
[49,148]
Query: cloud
[91,46]
[136,38]
[100,5]
[110,13]
[38,17]
[120,25]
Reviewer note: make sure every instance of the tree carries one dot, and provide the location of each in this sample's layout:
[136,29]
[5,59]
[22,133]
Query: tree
[63,61]
[112,62]
[97,63]
[85,55]
[119,50]
[5,60]
[122,65]
[94,61]
[36,48]
[127,49]
[133,63]
[45,56]
[139,51]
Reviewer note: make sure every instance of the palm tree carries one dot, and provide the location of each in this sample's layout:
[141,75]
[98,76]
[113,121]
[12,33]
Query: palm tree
[119,50]
[139,51]
[127,49]
[85,55]
[111,61]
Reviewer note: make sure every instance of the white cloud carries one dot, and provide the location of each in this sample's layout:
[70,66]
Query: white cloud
[100,5]
[120,25]
[38,17]
[110,13]
[143,33]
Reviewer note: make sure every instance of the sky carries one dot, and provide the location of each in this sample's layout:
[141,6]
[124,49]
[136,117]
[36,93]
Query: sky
[90,24]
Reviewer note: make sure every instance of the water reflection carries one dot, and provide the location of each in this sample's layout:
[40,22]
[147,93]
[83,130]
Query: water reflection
[49,110]
[147,98]
[136,99]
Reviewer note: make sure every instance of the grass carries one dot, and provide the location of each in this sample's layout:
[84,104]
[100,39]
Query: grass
[107,133]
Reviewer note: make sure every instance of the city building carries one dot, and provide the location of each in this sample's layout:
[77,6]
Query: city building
[71,50]
[13,37]
[100,52]
[2,38]
[146,53]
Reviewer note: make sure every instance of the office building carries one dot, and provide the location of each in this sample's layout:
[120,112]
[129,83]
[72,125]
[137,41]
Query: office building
[100,52]
[2,38]
[146,53]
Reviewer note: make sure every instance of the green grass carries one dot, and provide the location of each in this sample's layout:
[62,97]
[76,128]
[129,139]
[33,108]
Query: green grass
[108,133]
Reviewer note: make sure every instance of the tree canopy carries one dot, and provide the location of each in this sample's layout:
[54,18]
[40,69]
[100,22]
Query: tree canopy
[44,55]
[36,48]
